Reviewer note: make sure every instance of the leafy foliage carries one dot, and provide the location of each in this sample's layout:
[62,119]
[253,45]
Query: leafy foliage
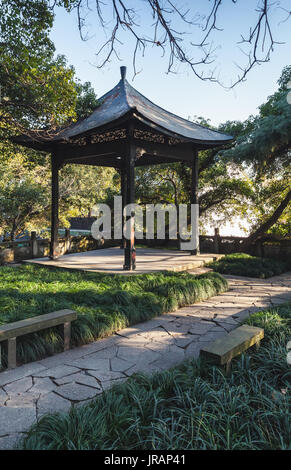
[265,149]
[191,407]
[25,190]
[39,90]
[86,99]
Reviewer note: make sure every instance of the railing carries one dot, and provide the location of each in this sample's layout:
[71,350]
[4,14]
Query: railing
[267,246]
[18,250]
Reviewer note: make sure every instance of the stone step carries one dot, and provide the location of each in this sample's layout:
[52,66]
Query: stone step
[201,270]
[195,266]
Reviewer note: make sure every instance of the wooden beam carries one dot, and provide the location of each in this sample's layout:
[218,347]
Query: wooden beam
[11,331]
[67,335]
[149,160]
[54,206]
[33,324]
[74,153]
[174,152]
[12,353]
[233,344]
[194,178]
[71,151]
[145,160]
[97,161]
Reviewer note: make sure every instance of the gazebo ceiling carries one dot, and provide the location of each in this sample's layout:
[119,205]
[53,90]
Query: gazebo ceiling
[100,139]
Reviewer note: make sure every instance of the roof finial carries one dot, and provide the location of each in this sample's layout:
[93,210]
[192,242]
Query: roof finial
[123,72]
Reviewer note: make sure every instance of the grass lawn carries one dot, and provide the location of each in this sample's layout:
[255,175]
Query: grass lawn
[193,406]
[241,264]
[105,303]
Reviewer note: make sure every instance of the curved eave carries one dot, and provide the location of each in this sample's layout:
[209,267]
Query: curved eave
[42,146]
[201,143]
[168,122]
[48,145]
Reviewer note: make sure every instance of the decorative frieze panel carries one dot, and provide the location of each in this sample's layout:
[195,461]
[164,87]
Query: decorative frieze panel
[109,136]
[174,141]
[121,134]
[148,136]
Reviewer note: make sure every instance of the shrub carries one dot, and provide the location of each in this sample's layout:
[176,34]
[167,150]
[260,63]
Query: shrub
[242,264]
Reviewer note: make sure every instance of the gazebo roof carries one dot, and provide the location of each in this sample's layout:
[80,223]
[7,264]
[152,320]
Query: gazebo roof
[124,101]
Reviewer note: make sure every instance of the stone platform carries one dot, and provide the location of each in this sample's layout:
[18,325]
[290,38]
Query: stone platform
[110,260]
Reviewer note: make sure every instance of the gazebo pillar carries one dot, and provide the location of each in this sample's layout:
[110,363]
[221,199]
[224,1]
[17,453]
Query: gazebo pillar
[54,207]
[194,200]
[129,251]
[122,172]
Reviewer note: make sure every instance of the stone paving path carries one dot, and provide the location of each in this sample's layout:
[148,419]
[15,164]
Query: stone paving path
[76,376]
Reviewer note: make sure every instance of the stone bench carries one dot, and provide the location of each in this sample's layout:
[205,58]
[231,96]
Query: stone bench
[224,349]
[11,331]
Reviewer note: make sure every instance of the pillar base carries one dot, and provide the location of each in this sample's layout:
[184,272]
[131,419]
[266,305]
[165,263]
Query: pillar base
[129,259]
[123,245]
[53,257]
[195,252]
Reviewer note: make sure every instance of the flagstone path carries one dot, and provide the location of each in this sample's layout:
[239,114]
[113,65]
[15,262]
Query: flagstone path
[78,375]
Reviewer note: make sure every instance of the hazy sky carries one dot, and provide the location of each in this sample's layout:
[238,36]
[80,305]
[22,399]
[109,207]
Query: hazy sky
[182,93]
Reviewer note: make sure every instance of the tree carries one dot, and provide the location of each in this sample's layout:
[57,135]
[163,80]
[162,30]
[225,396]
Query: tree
[186,34]
[249,180]
[86,100]
[224,188]
[23,192]
[37,89]
[265,149]
[25,182]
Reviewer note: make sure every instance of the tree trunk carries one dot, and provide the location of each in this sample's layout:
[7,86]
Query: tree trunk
[253,237]
[13,230]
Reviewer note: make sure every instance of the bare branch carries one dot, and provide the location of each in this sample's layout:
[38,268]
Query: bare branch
[166,33]
[260,37]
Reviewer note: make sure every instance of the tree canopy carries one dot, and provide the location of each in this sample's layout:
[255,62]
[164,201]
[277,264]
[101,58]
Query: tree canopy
[38,89]
[250,181]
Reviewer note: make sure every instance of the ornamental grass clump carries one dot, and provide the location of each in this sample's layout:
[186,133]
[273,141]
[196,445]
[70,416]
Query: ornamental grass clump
[193,406]
[105,303]
[242,264]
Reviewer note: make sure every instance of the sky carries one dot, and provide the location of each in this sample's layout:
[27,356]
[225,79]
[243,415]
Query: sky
[182,93]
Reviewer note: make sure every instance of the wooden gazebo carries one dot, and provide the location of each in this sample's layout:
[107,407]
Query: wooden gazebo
[126,130]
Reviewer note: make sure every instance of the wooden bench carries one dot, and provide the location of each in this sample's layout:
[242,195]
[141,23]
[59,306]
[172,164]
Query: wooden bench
[11,331]
[223,350]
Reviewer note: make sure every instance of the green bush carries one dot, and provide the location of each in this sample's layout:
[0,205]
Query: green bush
[193,406]
[241,264]
[105,303]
